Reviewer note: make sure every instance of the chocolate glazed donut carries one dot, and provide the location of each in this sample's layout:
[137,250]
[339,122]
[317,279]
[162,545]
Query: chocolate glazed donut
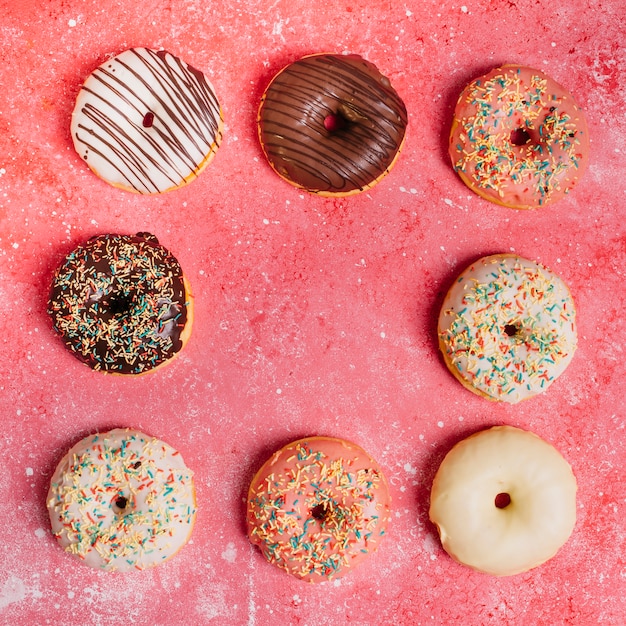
[121,303]
[331,124]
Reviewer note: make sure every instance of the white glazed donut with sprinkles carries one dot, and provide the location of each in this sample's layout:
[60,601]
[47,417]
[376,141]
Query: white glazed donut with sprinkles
[507,328]
[518,138]
[147,122]
[122,501]
[318,507]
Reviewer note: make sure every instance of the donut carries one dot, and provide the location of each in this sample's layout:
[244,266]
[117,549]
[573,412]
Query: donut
[503,501]
[331,124]
[121,304]
[147,122]
[518,138]
[122,501]
[507,328]
[318,507]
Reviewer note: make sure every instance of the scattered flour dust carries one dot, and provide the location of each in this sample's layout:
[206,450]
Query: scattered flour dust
[230,553]
[211,602]
[16,590]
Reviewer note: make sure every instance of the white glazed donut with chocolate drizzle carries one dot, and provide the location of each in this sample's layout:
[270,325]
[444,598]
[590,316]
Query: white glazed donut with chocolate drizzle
[147,122]
[122,500]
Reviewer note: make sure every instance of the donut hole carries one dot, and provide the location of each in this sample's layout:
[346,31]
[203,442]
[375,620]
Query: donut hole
[502,500]
[511,330]
[520,137]
[120,304]
[334,122]
[319,512]
[121,504]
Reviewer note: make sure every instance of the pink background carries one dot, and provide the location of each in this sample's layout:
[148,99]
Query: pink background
[313,316]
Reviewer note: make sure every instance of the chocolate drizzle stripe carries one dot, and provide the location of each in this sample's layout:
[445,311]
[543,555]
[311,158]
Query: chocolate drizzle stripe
[292,128]
[108,126]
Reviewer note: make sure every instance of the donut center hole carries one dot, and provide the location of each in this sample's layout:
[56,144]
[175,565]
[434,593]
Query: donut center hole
[520,137]
[335,122]
[148,119]
[502,500]
[120,304]
[511,330]
[319,512]
[120,504]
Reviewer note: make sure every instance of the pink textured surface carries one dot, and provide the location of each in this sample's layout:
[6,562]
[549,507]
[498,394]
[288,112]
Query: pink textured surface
[313,316]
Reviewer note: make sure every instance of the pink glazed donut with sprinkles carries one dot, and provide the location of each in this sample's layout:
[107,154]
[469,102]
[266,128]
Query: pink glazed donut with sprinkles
[318,507]
[507,328]
[518,138]
[122,501]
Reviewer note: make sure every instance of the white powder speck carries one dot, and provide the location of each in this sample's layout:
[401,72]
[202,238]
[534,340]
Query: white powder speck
[16,245]
[409,468]
[266,221]
[440,424]
[71,23]
[230,553]
[29,471]
[464,9]
[40,533]
[13,590]
[70,594]
[383,335]
[279,391]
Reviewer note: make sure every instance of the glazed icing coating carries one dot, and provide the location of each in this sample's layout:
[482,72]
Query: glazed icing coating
[499,536]
[122,501]
[318,507]
[146,121]
[121,303]
[507,328]
[518,138]
[367,128]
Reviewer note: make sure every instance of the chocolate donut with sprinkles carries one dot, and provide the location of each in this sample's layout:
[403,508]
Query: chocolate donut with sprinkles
[507,328]
[518,138]
[122,304]
[147,122]
[122,501]
[318,507]
[331,124]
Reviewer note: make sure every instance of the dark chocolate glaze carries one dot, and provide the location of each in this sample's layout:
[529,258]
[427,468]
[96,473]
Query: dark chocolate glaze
[119,303]
[355,152]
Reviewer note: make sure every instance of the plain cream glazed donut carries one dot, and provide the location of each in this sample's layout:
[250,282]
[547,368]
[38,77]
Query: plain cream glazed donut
[518,138]
[146,121]
[503,501]
[318,507]
[507,328]
[122,501]
[331,124]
